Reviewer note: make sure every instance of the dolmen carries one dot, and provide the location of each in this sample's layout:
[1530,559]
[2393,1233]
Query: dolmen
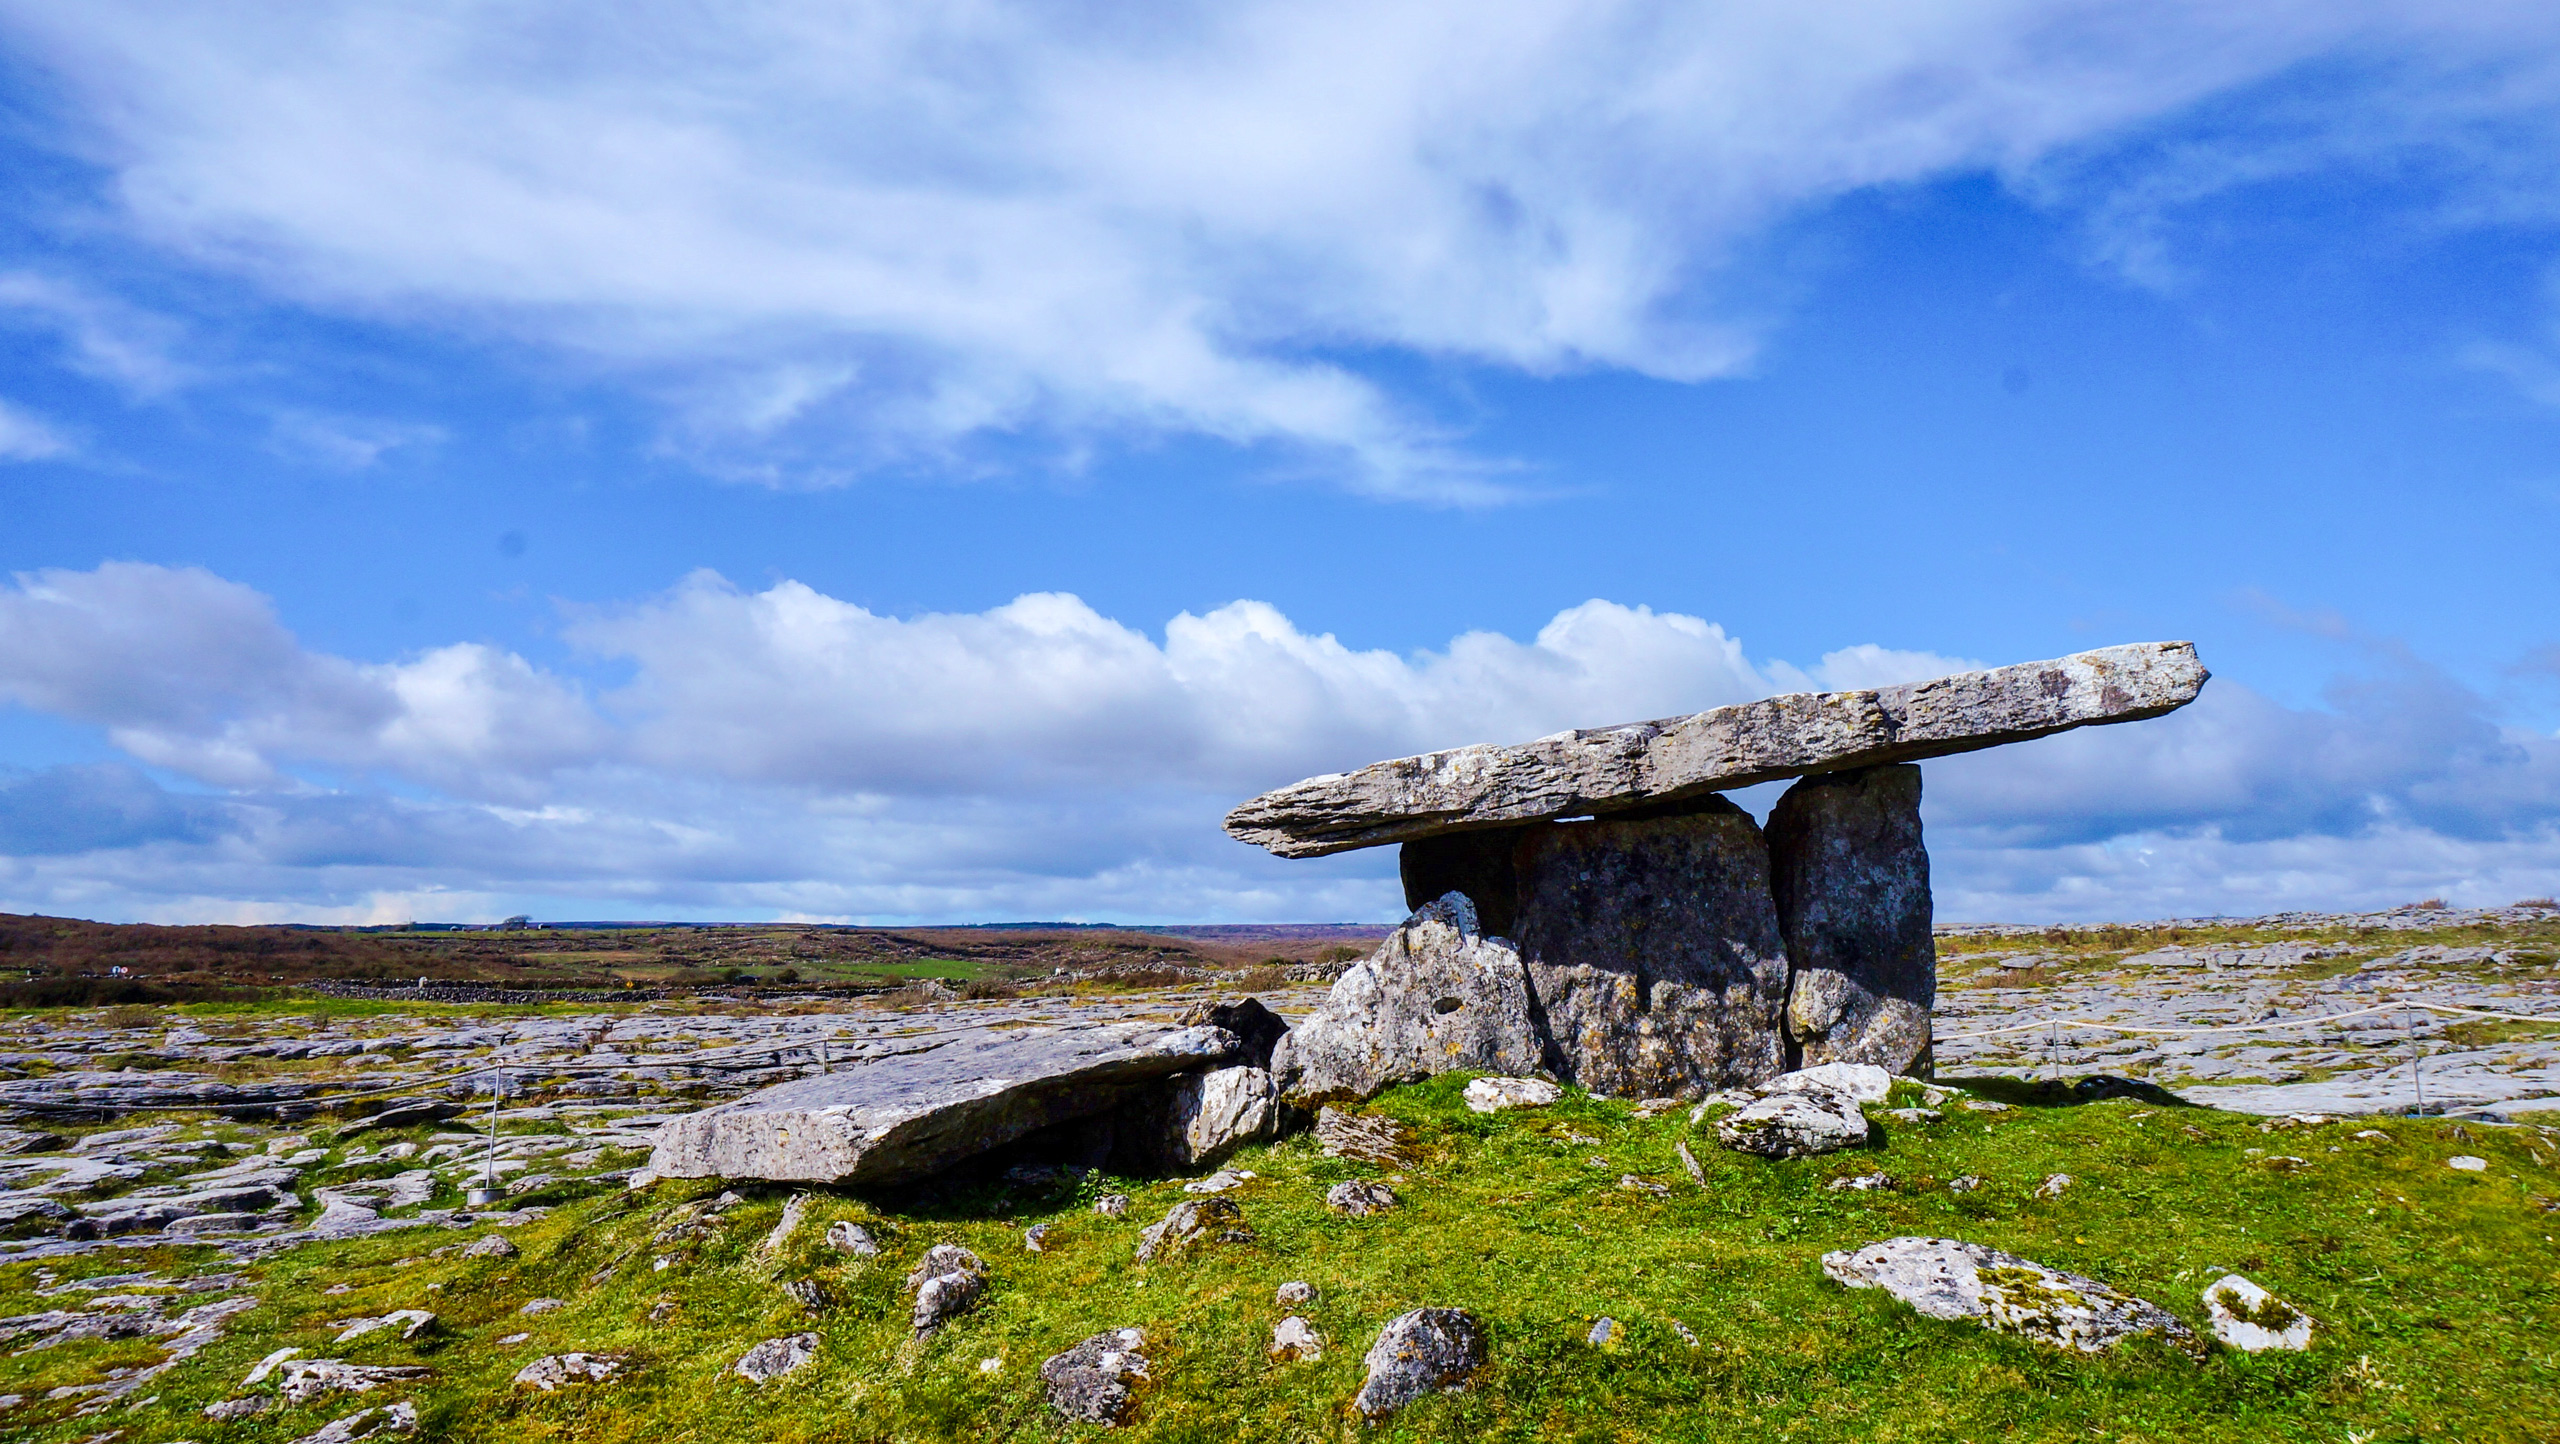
[1588,906]
[1591,906]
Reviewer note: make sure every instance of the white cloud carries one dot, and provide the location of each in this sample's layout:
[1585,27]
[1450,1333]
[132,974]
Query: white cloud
[27,438]
[783,751]
[101,336]
[842,232]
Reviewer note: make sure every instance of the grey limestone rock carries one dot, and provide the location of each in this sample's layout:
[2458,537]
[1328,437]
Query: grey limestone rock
[1188,1222]
[1194,1120]
[1600,770]
[910,1115]
[1257,1028]
[1360,1197]
[365,1424]
[1293,1339]
[1438,994]
[229,1409]
[1794,1124]
[1496,1095]
[776,1357]
[1368,1137]
[557,1371]
[947,1283]
[307,1379]
[1653,953]
[1945,1278]
[852,1238]
[410,1323]
[2252,1320]
[1861,1081]
[1091,1382]
[1294,1293]
[1851,881]
[490,1246]
[1418,1353]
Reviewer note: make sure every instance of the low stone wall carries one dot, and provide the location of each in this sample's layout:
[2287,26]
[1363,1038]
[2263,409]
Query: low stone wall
[468,993]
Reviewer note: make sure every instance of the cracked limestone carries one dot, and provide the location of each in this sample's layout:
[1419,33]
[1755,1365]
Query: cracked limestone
[1438,994]
[1851,881]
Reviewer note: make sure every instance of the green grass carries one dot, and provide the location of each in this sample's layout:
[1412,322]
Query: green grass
[2432,1290]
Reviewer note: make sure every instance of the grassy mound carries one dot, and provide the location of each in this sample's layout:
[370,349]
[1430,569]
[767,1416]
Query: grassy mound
[2432,1290]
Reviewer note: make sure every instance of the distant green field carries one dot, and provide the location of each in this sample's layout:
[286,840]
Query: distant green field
[2434,1293]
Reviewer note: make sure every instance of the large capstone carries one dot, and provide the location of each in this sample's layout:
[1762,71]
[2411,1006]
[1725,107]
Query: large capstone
[913,1114]
[1647,764]
[1653,953]
[1437,995]
[1851,881]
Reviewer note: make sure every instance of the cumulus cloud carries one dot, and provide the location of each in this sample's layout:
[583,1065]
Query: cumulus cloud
[851,231]
[785,752]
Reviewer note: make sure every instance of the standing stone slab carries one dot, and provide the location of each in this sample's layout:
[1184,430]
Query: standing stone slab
[1194,1120]
[909,1116]
[1437,995]
[1852,886]
[1643,764]
[1653,953]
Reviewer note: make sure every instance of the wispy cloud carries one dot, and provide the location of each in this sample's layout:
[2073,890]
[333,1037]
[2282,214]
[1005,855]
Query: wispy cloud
[844,234]
[26,437]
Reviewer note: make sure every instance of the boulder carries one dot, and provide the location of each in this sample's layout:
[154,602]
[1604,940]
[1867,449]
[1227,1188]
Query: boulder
[1794,1124]
[1641,764]
[1945,1278]
[1257,1028]
[776,1357]
[910,1115]
[1189,1221]
[1090,1383]
[1851,881]
[1194,1120]
[2252,1320]
[1418,1353]
[1653,953]
[1495,1095]
[1438,994]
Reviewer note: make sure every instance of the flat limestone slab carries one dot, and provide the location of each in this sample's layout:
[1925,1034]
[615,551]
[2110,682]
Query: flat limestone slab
[911,1115]
[1645,764]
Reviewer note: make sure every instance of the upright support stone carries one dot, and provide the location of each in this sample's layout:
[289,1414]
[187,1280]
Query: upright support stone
[1656,967]
[1852,886]
[1438,994]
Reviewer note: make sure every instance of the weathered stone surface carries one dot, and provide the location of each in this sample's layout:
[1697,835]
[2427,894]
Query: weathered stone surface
[1258,1029]
[1360,1197]
[1368,1137]
[1947,1278]
[490,1246]
[410,1323]
[1293,1339]
[1091,1382]
[910,1115]
[1601,770]
[1861,1081]
[1190,1221]
[1478,864]
[1495,1095]
[1417,1353]
[557,1371]
[774,1358]
[407,1114]
[1194,1120]
[1295,1293]
[2252,1320]
[308,1379]
[852,1238]
[1851,881]
[399,1418]
[947,1283]
[1438,994]
[1653,954]
[1794,1124]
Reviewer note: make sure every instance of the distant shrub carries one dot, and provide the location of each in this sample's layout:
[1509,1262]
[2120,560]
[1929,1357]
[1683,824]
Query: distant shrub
[787,975]
[989,988]
[2429,905]
[1264,979]
[2537,902]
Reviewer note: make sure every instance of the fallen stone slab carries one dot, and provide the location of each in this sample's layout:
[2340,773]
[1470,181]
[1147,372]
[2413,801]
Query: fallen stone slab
[1863,1082]
[908,1116]
[1438,994]
[1945,1278]
[1091,1382]
[1419,1353]
[1644,764]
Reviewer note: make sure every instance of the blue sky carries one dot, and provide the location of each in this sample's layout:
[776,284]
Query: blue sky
[841,462]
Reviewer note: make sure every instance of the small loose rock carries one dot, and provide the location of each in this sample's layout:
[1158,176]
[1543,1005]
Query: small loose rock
[1419,1353]
[1091,1382]
[1293,1338]
[1360,1197]
[1296,1293]
[776,1357]
[558,1371]
[852,1238]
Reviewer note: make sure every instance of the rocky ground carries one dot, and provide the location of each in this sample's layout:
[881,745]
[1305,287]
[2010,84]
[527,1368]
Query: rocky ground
[183,1189]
